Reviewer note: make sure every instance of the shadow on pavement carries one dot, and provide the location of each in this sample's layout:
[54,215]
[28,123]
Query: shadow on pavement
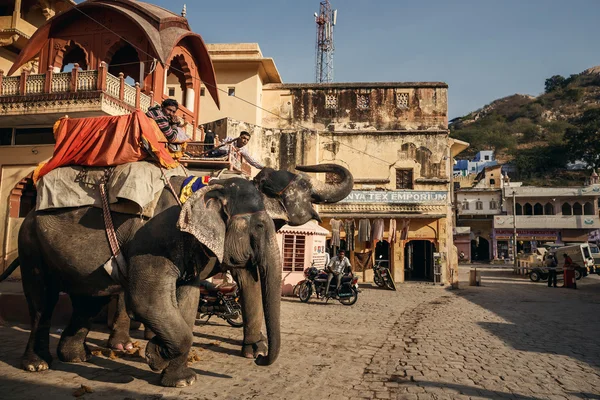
[488,394]
[538,318]
[98,369]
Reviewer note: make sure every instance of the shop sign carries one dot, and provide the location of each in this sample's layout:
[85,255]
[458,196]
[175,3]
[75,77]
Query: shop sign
[396,196]
[524,234]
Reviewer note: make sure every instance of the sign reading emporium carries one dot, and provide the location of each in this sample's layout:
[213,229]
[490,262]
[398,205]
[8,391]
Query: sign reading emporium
[395,197]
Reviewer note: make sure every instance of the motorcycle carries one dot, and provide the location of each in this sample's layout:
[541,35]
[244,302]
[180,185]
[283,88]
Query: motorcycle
[221,301]
[382,276]
[315,282]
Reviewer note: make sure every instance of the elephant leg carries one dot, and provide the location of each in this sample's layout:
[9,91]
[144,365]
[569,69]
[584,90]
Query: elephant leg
[72,347]
[42,297]
[119,336]
[252,312]
[153,300]
[178,374]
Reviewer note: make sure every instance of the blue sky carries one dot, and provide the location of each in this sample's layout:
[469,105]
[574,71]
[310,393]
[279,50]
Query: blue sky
[483,49]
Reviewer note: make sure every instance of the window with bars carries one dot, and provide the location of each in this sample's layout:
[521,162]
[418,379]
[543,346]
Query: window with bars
[363,102]
[331,102]
[479,205]
[465,205]
[402,100]
[294,248]
[493,205]
[404,178]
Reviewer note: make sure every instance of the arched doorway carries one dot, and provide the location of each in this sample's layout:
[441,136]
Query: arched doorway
[418,261]
[480,249]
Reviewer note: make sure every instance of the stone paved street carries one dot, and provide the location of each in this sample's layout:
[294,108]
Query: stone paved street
[509,338]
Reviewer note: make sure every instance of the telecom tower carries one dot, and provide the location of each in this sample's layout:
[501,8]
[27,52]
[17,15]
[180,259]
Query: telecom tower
[325,20]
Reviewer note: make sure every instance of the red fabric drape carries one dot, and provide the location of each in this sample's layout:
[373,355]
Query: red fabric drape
[105,142]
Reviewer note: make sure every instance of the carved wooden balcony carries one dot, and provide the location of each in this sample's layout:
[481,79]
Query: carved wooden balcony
[30,99]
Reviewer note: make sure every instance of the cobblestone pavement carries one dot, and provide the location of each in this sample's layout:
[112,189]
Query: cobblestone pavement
[509,338]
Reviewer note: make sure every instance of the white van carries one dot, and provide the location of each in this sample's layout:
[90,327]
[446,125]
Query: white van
[581,255]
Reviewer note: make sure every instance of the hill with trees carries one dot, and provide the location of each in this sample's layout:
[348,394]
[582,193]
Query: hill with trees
[542,134]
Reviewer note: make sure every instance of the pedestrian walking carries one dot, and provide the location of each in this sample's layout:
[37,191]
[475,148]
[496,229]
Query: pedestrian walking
[551,264]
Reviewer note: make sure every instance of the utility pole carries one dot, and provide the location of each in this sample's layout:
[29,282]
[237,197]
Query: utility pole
[514,230]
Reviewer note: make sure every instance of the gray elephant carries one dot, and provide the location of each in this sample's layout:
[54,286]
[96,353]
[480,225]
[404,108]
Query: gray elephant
[230,224]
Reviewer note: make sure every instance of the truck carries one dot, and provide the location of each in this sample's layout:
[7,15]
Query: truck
[579,253]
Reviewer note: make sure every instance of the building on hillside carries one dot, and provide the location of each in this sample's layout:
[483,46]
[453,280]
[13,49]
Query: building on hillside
[104,44]
[484,158]
[543,215]
[476,207]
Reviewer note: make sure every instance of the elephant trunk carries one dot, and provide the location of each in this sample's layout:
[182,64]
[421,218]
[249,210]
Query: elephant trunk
[270,280]
[329,192]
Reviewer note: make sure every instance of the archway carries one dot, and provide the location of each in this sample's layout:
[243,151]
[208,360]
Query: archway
[480,249]
[180,82]
[123,57]
[418,260]
[70,55]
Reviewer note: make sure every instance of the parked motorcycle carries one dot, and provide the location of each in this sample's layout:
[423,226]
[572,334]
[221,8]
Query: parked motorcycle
[221,301]
[316,280]
[382,276]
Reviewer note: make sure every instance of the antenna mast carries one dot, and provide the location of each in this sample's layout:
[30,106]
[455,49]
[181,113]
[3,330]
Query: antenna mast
[326,20]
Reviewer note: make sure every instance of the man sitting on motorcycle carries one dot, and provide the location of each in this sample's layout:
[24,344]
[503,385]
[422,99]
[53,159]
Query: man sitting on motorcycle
[336,268]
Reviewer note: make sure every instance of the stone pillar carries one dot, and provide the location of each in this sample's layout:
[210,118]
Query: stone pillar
[190,99]
[23,81]
[121,86]
[74,77]
[165,91]
[48,81]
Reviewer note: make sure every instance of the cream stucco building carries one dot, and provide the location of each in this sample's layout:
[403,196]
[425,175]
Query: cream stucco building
[392,136]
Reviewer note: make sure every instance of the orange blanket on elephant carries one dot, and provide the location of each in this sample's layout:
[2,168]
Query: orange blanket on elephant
[105,142]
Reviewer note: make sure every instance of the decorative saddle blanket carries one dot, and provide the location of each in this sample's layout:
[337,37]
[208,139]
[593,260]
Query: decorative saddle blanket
[133,188]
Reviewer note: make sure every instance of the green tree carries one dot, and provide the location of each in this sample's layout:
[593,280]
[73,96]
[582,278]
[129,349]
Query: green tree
[554,83]
[583,139]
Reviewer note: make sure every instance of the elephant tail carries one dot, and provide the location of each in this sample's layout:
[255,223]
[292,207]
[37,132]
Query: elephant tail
[11,268]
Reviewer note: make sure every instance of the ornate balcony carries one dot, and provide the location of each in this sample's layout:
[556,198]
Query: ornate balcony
[41,99]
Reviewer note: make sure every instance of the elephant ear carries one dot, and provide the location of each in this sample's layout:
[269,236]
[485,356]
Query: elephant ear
[202,217]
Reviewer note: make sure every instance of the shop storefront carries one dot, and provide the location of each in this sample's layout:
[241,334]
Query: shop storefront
[408,229]
[527,240]
[300,247]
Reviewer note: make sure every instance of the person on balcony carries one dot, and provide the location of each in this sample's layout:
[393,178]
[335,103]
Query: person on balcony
[239,143]
[169,123]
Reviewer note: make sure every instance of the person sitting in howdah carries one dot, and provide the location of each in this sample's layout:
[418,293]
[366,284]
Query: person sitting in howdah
[169,123]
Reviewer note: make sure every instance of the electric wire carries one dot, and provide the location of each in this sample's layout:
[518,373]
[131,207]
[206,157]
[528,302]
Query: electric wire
[223,90]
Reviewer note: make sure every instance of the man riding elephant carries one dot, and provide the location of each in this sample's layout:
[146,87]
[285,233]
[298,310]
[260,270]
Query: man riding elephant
[228,225]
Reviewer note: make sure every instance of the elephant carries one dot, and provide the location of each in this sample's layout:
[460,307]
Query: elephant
[287,197]
[228,225]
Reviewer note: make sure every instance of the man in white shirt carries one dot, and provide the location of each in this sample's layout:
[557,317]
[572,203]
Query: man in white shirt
[239,143]
[336,268]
